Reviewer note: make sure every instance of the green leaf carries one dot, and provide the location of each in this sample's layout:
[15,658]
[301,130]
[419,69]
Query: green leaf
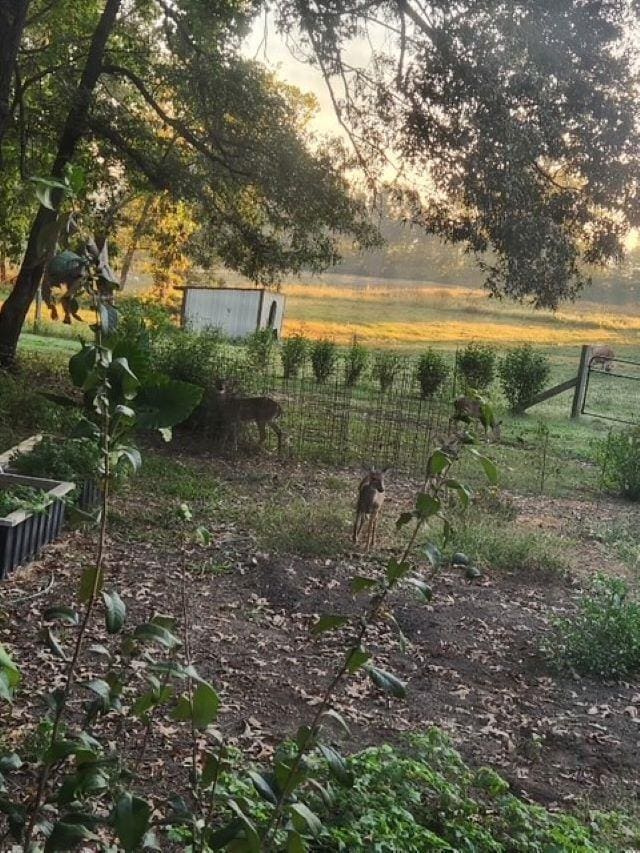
[304,820]
[53,643]
[108,318]
[99,687]
[331,714]
[432,553]
[121,373]
[131,455]
[337,765]
[153,633]
[67,836]
[61,613]
[404,519]
[387,681]
[424,589]
[488,466]
[263,788]
[82,364]
[396,570]
[329,622]
[11,761]
[210,769]
[357,659]
[115,611]
[8,669]
[131,820]
[62,749]
[438,461]
[206,704]
[427,506]
[360,583]
[295,842]
[164,402]
[90,581]
[464,492]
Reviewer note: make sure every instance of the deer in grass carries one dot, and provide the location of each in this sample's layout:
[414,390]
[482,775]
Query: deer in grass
[236,410]
[604,356]
[369,504]
[470,409]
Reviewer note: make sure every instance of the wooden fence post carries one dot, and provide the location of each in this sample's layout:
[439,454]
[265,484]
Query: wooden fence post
[581,386]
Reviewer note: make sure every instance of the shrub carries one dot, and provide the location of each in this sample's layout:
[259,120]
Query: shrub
[477,364]
[619,459]
[355,363]
[25,411]
[386,366]
[603,638]
[432,372]
[294,354]
[523,374]
[189,356]
[323,359]
[60,459]
[260,347]
[134,311]
[23,497]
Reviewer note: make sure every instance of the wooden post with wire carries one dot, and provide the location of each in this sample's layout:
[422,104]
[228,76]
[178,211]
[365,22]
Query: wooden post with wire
[581,384]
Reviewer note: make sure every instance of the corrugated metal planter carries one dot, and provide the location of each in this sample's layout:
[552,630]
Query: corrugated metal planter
[23,534]
[89,495]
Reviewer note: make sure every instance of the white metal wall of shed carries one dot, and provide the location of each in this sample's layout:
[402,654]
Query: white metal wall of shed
[235,312]
[272,313]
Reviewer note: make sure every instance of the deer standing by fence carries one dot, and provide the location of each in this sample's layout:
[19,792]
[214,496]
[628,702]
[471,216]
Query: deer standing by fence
[467,410]
[603,356]
[236,410]
[370,499]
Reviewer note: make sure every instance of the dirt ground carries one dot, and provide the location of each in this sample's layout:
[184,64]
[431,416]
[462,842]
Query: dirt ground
[472,661]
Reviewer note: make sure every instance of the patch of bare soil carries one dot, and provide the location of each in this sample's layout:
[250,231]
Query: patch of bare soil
[472,659]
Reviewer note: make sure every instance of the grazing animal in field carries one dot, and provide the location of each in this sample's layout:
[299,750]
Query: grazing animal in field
[467,410]
[236,410]
[370,500]
[604,356]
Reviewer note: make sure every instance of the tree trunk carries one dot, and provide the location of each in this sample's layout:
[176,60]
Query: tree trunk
[16,306]
[13,16]
[138,231]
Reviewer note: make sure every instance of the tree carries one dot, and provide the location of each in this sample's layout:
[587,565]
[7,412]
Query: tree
[522,116]
[238,156]
[13,17]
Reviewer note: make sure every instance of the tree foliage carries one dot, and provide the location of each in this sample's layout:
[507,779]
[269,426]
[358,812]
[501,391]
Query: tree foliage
[522,115]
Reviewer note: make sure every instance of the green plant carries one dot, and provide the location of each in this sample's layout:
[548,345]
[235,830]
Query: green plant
[323,359]
[294,353]
[189,356]
[260,347]
[603,638]
[355,363]
[619,459]
[432,372]
[523,374]
[386,366]
[135,311]
[23,497]
[477,364]
[59,459]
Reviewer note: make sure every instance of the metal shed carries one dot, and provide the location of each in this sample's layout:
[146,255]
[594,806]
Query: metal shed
[235,311]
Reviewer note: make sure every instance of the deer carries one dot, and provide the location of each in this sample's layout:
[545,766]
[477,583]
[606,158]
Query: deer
[603,356]
[236,409]
[370,499]
[469,409]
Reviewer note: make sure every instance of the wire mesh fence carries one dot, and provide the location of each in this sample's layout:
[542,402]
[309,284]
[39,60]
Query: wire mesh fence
[334,423]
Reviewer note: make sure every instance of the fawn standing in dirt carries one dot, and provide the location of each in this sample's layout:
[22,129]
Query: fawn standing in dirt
[236,410]
[370,500]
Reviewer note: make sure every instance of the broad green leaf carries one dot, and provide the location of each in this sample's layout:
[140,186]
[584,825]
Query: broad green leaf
[100,687]
[131,819]
[387,681]
[153,633]
[262,787]
[82,364]
[211,768]
[53,643]
[424,589]
[438,461]
[9,667]
[131,455]
[464,492]
[11,761]
[304,820]
[331,714]
[206,704]
[329,622]
[396,570]
[90,583]
[432,553]
[115,611]
[488,466]
[337,765]
[164,402]
[427,506]
[360,583]
[67,836]
[62,749]
[221,838]
[61,613]
[357,659]
[295,842]
[108,318]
